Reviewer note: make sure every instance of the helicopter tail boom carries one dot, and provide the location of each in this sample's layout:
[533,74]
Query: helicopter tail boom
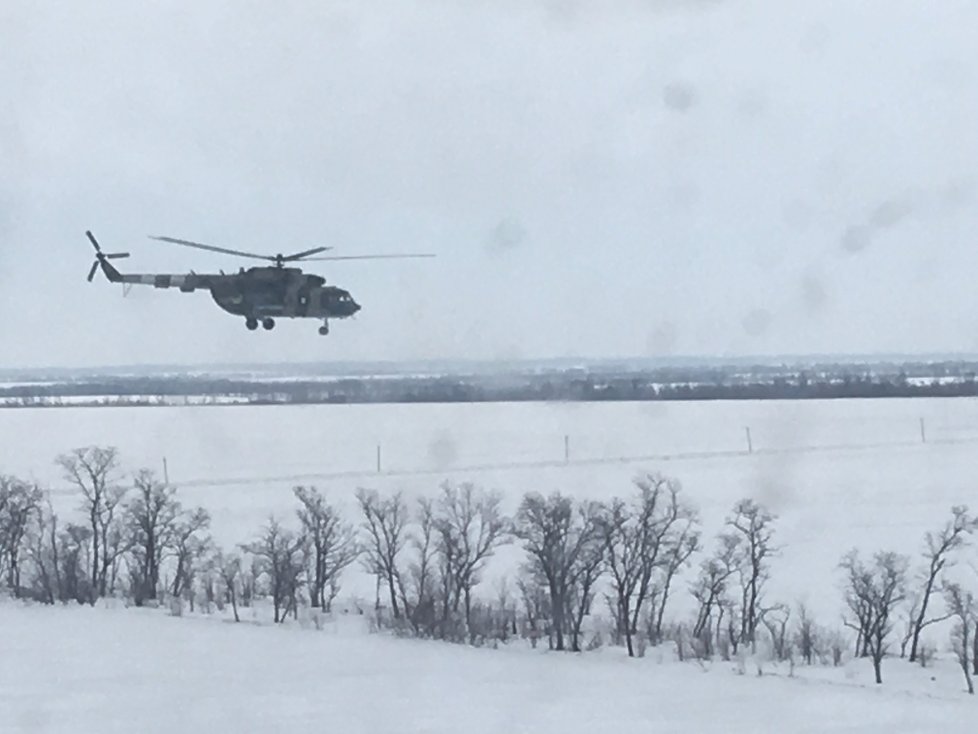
[186,283]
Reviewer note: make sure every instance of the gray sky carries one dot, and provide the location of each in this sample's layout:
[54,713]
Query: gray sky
[615,178]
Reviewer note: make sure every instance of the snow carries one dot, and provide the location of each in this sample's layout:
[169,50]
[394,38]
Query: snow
[838,473]
[123,670]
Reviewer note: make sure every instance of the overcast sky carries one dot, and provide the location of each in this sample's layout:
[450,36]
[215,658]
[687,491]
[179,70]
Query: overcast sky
[604,179]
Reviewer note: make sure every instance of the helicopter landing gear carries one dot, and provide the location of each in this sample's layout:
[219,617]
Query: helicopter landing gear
[324,329]
[268,324]
[251,323]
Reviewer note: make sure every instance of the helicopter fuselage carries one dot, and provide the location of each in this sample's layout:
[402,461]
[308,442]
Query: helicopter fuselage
[263,292]
[259,294]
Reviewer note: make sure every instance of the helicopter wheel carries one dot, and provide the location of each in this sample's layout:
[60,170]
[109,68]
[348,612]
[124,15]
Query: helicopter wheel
[251,323]
[324,329]
[268,324]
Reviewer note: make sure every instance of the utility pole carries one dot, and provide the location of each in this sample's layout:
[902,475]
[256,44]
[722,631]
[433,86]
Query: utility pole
[166,473]
[750,445]
[566,449]
[923,432]
[379,469]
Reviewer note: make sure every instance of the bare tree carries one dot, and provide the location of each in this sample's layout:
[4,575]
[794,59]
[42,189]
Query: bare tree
[585,572]
[19,503]
[536,605]
[42,550]
[680,541]
[776,620]
[872,593]
[152,516]
[418,593]
[710,589]
[938,548]
[73,552]
[806,634]
[333,543]
[384,522]
[229,568]
[753,524]
[188,545]
[556,535]
[93,470]
[964,607]
[280,553]
[470,527]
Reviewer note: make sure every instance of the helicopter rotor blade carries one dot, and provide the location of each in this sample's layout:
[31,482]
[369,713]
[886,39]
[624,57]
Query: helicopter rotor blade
[116,255]
[200,246]
[393,256]
[91,273]
[304,255]
[91,238]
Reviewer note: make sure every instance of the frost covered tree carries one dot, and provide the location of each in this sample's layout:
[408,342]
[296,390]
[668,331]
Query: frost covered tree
[333,544]
[938,550]
[93,470]
[384,525]
[872,594]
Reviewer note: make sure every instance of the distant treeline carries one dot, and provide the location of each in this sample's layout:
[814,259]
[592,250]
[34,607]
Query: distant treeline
[761,383]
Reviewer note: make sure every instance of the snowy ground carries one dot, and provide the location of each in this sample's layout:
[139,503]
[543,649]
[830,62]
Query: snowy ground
[839,473]
[126,670]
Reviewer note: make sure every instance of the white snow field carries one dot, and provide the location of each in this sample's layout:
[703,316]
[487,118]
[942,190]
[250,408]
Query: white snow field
[838,473]
[125,670]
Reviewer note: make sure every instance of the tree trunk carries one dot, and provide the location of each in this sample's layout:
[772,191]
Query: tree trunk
[394,608]
[95,557]
[625,620]
[918,624]
[878,668]
[974,650]
[557,607]
[657,631]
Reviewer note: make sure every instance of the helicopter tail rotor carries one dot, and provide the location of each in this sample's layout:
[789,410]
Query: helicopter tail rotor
[102,258]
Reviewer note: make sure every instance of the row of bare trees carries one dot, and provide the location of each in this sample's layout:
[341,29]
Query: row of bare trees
[137,540]
[431,558]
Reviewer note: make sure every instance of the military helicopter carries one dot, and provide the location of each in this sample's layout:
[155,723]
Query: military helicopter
[259,294]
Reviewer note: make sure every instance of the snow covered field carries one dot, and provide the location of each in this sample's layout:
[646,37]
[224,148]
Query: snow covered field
[838,473]
[118,670]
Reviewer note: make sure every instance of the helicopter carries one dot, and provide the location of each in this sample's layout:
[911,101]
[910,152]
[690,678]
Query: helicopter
[260,294]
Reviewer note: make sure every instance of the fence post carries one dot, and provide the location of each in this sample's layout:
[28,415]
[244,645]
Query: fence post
[750,445]
[923,432]
[379,466]
[166,473]
[566,449]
